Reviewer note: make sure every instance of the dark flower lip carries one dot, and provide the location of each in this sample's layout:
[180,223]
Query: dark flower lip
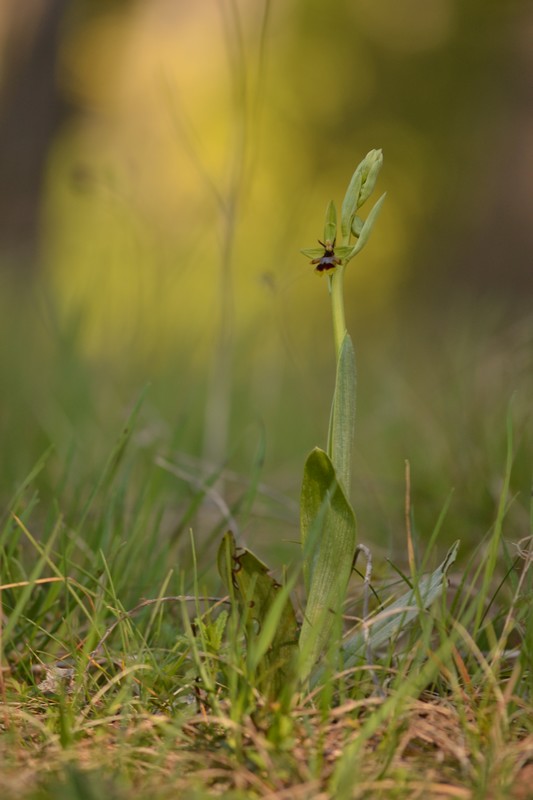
[327,262]
[329,258]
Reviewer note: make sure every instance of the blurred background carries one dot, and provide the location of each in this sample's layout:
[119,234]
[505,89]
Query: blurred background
[161,164]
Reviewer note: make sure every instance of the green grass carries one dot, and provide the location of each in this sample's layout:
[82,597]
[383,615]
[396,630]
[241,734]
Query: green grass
[120,678]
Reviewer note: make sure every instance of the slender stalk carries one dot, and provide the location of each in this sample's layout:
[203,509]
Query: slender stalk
[337,308]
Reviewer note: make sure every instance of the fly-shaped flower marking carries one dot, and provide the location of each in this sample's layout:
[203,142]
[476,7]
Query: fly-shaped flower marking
[328,260]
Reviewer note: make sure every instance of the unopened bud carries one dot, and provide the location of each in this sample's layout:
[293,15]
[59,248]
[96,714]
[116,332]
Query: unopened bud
[370,167]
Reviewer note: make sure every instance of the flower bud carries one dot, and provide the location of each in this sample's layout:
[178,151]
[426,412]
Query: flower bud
[360,187]
[370,167]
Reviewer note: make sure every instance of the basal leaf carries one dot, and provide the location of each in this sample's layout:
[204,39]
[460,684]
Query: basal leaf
[268,616]
[328,539]
[392,620]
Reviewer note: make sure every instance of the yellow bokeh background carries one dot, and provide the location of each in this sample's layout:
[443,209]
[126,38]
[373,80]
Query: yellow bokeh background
[191,142]
[201,145]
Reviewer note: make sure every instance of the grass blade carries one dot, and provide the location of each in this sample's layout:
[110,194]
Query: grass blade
[268,616]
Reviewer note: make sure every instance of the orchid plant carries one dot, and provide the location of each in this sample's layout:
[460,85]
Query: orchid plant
[280,652]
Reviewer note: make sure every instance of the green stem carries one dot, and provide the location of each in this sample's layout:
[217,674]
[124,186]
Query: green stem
[337,308]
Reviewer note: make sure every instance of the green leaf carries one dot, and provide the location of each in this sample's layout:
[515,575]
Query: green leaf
[267,614]
[367,226]
[342,419]
[394,619]
[328,540]
[330,223]
[349,204]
